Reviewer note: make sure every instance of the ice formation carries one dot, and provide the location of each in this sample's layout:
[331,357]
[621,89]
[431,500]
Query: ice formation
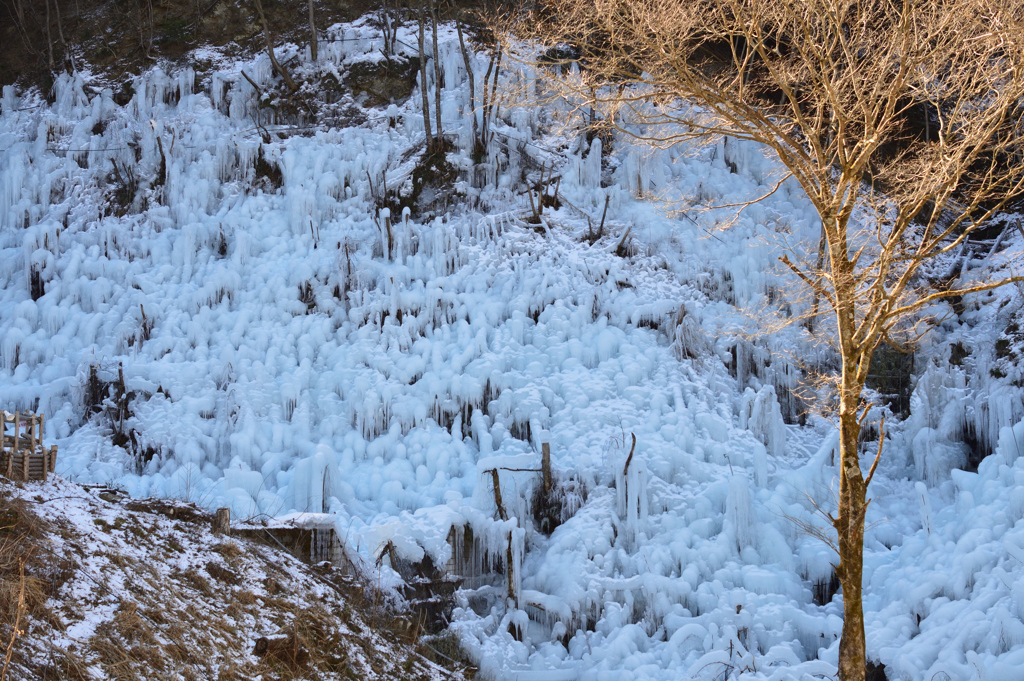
[281,355]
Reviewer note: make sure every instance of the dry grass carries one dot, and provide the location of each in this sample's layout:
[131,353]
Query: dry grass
[66,665]
[25,581]
[245,597]
[194,623]
[150,643]
[229,549]
[313,641]
[197,581]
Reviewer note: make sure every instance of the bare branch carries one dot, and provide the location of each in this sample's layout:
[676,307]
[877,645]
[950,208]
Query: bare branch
[878,456]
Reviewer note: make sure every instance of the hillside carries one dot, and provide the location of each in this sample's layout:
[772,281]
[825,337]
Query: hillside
[226,294]
[119,589]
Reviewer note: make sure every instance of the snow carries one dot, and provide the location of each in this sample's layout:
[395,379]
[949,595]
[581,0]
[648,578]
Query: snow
[282,361]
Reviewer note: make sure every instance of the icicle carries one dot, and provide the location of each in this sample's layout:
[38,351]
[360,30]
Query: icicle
[739,511]
[925,507]
[1011,442]
[631,494]
[591,168]
[760,413]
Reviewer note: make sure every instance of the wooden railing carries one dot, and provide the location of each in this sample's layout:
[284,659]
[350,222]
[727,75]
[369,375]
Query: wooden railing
[22,454]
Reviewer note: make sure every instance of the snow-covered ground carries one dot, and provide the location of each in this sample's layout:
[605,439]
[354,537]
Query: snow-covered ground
[145,590]
[277,358]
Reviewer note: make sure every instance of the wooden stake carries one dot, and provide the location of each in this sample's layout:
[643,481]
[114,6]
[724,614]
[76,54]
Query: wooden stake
[545,465]
[9,472]
[600,230]
[222,521]
[510,571]
[14,450]
[497,494]
[629,459]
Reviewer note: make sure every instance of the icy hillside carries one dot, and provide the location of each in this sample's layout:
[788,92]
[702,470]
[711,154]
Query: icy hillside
[237,330]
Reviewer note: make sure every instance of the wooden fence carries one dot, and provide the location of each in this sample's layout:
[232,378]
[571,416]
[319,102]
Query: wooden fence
[22,454]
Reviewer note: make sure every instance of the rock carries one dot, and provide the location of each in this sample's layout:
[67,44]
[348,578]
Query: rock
[384,82]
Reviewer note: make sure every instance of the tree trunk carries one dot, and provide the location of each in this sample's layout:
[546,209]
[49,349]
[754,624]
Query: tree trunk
[60,33]
[438,80]
[49,40]
[814,295]
[312,32]
[850,527]
[491,109]
[496,480]
[849,521]
[19,13]
[484,106]
[423,81]
[472,87]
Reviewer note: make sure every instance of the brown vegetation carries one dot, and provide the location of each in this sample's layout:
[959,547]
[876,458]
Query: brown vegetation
[162,597]
[28,578]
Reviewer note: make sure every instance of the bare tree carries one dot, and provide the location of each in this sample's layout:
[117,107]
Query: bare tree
[834,90]
[146,26]
[268,38]
[481,129]
[423,77]
[390,19]
[488,105]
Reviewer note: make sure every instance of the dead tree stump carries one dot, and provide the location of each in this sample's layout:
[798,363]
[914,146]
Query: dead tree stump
[222,521]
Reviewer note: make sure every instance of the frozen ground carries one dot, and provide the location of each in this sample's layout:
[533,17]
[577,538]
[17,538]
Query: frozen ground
[145,590]
[277,358]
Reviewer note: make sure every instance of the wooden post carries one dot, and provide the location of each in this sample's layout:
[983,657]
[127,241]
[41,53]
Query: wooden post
[222,521]
[46,463]
[629,459]
[510,571]
[53,458]
[497,494]
[17,437]
[10,455]
[545,465]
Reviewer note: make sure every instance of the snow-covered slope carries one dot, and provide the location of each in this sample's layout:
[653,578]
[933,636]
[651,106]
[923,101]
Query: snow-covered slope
[259,347]
[145,590]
